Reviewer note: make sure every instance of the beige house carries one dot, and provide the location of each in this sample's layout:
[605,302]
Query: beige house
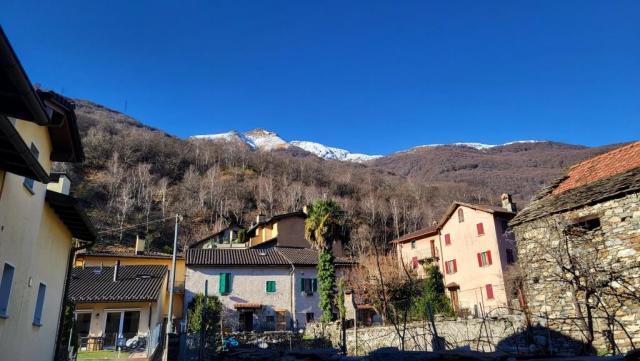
[39,222]
[140,257]
[471,247]
[119,306]
[261,289]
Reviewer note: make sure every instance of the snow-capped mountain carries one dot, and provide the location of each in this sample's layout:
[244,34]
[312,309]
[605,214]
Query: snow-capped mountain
[325,152]
[265,140]
[261,139]
[479,146]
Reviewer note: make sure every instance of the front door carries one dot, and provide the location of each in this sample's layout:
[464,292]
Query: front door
[120,324]
[246,321]
[281,320]
[454,299]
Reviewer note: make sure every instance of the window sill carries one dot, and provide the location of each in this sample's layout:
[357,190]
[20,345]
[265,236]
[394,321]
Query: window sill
[4,316]
[30,190]
[37,324]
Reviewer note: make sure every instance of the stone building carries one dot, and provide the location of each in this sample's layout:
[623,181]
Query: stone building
[579,249]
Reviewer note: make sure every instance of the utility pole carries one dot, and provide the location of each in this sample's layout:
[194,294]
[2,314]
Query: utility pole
[165,353]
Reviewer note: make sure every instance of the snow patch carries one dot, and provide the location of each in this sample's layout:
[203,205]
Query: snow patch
[326,152]
[479,146]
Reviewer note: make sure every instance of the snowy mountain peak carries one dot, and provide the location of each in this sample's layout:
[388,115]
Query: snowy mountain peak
[262,139]
[479,146]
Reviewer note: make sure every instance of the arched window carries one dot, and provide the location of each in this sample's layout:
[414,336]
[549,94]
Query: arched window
[460,215]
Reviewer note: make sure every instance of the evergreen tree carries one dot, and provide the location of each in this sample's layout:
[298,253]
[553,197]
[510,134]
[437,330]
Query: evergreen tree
[433,293]
[322,228]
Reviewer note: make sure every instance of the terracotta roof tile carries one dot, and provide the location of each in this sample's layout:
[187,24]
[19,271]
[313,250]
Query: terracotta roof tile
[274,256]
[605,165]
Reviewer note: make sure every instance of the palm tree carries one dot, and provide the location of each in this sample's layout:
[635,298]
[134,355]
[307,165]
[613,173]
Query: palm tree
[322,228]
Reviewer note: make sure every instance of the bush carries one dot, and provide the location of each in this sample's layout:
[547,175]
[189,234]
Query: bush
[210,309]
[433,293]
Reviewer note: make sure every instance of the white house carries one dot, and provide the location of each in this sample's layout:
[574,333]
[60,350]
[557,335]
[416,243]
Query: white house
[260,289]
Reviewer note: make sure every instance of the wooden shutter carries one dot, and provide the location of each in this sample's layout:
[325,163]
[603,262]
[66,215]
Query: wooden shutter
[489,288]
[480,228]
[446,267]
[414,262]
[315,285]
[302,285]
[455,266]
[447,239]
[479,259]
[222,287]
[489,257]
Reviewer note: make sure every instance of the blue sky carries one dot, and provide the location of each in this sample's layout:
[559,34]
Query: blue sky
[368,76]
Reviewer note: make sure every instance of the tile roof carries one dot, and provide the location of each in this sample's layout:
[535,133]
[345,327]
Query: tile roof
[416,234]
[480,207]
[603,166]
[148,254]
[591,193]
[274,256]
[72,215]
[134,284]
[276,218]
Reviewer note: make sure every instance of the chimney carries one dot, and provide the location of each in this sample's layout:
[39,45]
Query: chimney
[139,245]
[116,268]
[507,203]
[62,185]
[260,218]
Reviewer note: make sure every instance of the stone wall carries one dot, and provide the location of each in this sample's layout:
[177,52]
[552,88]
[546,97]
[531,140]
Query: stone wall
[506,334]
[612,253]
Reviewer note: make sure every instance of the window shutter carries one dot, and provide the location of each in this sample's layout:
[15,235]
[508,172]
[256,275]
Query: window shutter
[455,266]
[480,227]
[267,286]
[479,259]
[302,285]
[446,267]
[414,262]
[315,285]
[447,238]
[489,288]
[222,287]
[489,257]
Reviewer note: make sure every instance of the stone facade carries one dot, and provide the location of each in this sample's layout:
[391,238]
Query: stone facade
[506,334]
[611,249]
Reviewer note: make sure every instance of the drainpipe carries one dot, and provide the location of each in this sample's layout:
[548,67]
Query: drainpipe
[65,292]
[292,278]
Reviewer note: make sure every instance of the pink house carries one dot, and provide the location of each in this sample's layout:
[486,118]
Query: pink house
[472,249]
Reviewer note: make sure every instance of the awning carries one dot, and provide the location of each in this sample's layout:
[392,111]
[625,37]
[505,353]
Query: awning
[72,215]
[15,155]
[247,306]
[452,286]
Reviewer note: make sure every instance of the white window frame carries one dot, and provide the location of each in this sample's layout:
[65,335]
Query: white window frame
[121,311]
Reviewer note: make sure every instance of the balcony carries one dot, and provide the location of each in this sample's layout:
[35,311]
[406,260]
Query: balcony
[432,255]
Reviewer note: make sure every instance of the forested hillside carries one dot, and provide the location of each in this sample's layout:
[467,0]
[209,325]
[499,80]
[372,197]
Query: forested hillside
[135,174]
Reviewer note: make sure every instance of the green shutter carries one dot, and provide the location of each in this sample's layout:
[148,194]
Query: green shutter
[315,285]
[228,283]
[222,288]
[302,285]
[271,286]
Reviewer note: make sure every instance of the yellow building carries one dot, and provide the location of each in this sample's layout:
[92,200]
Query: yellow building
[142,258]
[39,223]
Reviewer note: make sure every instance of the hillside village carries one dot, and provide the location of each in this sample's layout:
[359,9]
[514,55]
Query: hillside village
[323,252]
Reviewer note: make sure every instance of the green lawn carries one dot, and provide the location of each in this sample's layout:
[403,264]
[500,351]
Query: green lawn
[101,355]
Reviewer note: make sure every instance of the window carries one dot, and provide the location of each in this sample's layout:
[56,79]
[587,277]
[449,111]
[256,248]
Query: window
[447,239]
[37,315]
[414,262]
[413,244]
[460,215]
[310,317]
[225,283]
[271,286]
[489,289]
[484,259]
[308,285]
[271,319]
[28,182]
[583,224]
[451,267]
[510,257]
[83,323]
[5,289]
[480,228]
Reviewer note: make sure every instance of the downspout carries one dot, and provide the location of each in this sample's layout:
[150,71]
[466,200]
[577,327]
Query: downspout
[292,307]
[65,293]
